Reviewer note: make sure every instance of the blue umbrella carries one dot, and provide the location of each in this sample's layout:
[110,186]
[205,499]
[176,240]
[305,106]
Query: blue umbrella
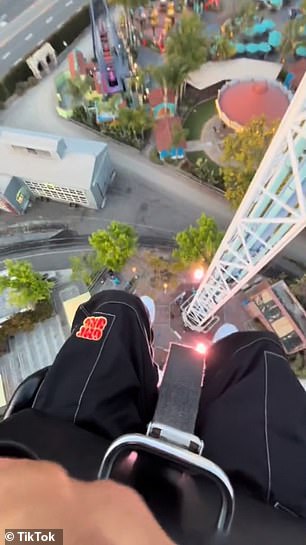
[259,28]
[301,51]
[251,48]
[264,47]
[276,3]
[240,48]
[275,38]
[268,24]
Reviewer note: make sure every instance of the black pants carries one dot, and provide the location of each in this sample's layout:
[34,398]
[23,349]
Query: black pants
[104,379]
[252,413]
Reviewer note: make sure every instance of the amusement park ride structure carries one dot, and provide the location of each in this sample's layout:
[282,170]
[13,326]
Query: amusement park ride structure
[271,215]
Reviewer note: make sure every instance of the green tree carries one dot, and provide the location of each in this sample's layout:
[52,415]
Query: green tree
[115,245]
[292,37]
[187,43]
[26,286]
[134,123]
[246,11]
[171,76]
[198,243]
[143,121]
[84,268]
[243,152]
[179,134]
[236,182]
[222,48]
[77,88]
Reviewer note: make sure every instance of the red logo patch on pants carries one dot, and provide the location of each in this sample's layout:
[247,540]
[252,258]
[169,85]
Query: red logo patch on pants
[92,328]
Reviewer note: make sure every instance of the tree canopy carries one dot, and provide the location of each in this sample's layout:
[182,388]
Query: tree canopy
[187,42]
[26,286]
[198,243]
[171,75]
[115,245]
[243,151]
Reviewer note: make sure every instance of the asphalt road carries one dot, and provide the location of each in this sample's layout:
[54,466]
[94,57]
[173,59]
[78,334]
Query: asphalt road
[153,198]
[9,9]
[36,21]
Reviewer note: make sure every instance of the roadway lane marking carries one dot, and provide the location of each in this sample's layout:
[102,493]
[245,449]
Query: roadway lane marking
[69,3]
[49,19]
[40,42]
[18,61]
[28,23]
[59,26]
[6,55]
[29,36]
[79,9]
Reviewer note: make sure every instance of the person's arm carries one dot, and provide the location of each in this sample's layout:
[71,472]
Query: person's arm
[41,495]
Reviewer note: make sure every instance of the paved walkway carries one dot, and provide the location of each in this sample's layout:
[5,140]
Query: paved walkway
[211,141]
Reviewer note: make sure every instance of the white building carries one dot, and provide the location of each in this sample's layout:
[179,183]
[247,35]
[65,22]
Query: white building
[68,170]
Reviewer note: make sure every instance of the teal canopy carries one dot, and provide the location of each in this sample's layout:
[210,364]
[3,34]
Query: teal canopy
[268,24]
[240,48]
[276,3]
[264,47]
[301,51]
[275,38]
[252,48]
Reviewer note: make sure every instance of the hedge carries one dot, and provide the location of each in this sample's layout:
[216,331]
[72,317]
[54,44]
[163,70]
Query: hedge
[68,33]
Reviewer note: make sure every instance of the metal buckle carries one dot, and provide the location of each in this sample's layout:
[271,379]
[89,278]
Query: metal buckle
[176,437]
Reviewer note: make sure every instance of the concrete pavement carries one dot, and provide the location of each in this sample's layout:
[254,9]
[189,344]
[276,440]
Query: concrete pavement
[32,27]
[144,194]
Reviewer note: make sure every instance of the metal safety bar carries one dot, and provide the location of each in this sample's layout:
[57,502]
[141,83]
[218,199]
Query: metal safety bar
[180,456]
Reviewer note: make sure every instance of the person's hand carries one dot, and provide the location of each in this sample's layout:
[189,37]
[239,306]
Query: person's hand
[41,495]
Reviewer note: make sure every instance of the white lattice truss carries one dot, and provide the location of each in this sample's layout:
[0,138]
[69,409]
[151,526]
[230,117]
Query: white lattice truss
[272,213]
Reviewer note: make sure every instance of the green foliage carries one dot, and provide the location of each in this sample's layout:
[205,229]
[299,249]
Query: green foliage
[26,286]
[115,245]
[154,157]
[178,134]
[130,126]
[293,36]
[206,171]
[79,113]
[71,30]
[236,182]
[222,48]
[187,42]
[171,75]
[198,243]
[68,33]
[77,88]
[19,73]
[243,151]
[25,321]
[84,268]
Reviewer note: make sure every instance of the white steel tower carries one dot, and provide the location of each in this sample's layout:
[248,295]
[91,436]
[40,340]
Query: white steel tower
[272,213]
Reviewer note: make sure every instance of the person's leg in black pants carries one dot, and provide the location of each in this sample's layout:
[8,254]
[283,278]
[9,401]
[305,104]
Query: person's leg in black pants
[104,379]
[252,417]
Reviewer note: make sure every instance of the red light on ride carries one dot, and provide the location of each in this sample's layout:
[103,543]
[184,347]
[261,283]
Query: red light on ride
[201,348]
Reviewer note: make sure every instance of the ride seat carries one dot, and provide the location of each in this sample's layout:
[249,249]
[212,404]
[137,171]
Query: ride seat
[24,395]
[185,505]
